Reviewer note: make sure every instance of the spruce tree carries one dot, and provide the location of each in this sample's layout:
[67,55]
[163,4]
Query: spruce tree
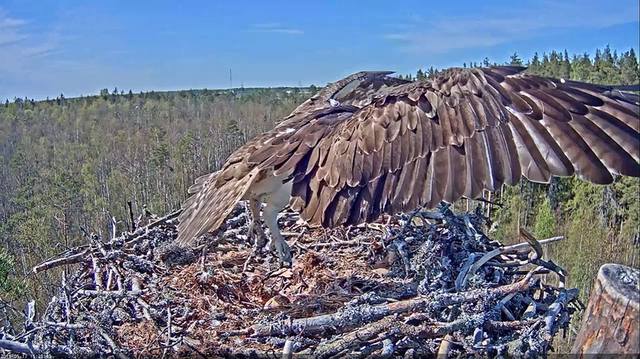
[515,60]
[629,70]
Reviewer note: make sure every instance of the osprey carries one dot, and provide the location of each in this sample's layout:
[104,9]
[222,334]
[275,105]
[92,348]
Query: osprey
[371,144]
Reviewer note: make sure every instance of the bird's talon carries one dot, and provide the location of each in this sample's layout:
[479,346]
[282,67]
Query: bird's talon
[257,234]
[282,251]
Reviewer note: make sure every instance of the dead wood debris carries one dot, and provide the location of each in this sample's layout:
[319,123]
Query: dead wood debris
[419,284]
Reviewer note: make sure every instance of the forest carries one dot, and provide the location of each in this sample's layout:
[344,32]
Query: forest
[72,167]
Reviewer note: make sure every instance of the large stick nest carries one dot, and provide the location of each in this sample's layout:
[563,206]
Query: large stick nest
[410,285]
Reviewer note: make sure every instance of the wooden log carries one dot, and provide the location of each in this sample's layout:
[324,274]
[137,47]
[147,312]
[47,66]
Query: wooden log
[611,322]
[367,313]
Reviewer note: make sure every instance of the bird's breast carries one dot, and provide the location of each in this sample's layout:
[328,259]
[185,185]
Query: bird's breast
[265,186]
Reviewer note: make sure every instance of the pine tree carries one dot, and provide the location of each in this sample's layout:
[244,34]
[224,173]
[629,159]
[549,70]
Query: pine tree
[534,65]
[432,72]
[581,67]
[515,60]
[629,70]
[545,69]
[565,68]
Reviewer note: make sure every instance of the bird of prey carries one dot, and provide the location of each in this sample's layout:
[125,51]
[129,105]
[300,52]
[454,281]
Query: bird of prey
[371,144]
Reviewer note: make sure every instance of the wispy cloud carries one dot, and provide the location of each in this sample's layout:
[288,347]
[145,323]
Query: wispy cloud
[495,27]
[10,29]
[8,22]
[275,27]
[17,44]
[23,51]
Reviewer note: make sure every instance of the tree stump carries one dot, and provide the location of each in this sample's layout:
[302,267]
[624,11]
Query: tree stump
[611,323]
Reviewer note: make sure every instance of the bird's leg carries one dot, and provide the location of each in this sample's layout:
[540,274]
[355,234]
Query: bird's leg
[277,244]
[255,228]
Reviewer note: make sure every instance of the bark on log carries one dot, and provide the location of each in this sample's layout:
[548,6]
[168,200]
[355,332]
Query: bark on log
[346,320]
[611,322]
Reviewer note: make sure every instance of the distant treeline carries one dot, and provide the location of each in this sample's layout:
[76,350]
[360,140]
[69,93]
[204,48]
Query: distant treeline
[605,67]
[68,166]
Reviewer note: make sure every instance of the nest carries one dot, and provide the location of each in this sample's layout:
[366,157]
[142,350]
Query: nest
[412,285]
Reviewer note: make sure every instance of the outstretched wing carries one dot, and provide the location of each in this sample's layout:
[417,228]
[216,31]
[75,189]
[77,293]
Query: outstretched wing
[213,196]
[467,130]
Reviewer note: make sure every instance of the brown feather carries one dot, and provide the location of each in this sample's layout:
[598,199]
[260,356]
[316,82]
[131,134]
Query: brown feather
[210,208]
[587,165]
[533,164]
[437,178]
[624,135]
[457,174]
[551,151]
[477,176]
[614,157]
[513,166]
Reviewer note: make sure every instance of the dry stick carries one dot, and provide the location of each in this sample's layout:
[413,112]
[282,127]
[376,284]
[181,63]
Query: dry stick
[550,317]
[464,273]
[37,351]
[18,347]
[355,338]
[66,325]
[387,348]
[510,325]
[390,326]
[145,309]
[32,349]
[467,272]
[137,287]
[97,274]
[287,350]
[445,346]
[539,345]
[526,245]
[133,223]
[365,314]
[108,293]
[141,233]
[156,223]
[119,280]
[168,327]
[501,306]
[110,343]
[109,278]
[134,237]
[71,259]
[114,234]
[67,299]
[481,199]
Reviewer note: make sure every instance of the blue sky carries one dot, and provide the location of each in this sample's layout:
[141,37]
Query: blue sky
[78,47]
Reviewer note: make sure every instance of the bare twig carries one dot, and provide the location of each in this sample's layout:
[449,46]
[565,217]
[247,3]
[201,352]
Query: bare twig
[66,260]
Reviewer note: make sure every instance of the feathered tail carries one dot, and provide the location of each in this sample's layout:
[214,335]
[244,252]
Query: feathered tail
[209,205]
